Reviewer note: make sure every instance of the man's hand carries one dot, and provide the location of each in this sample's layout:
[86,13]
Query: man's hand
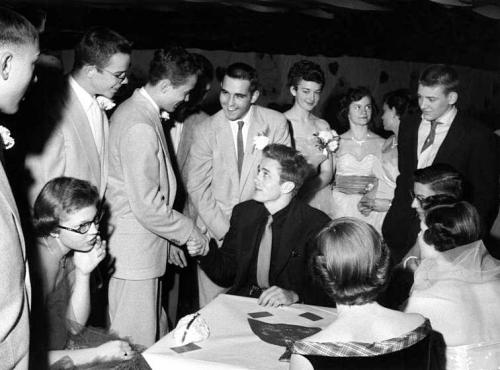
[276,296]
[197,244]
[176,256]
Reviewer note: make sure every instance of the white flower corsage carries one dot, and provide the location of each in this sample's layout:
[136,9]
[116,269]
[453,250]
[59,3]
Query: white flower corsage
[327,141]
[104,102]
[7,139]
[260,141]
[164,115]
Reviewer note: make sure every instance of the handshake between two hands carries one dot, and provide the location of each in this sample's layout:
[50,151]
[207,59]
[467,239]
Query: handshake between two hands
[197,245]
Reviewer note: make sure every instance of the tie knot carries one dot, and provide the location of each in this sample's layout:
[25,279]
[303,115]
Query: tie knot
[240,124]
[434,123]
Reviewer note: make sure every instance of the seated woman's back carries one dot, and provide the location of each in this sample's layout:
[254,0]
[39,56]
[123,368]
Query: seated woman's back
[371,323]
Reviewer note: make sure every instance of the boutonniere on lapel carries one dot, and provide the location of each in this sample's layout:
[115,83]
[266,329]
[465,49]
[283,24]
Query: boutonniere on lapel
[164,116]
[260,141]
[6,139]
[327,141]
[105,103]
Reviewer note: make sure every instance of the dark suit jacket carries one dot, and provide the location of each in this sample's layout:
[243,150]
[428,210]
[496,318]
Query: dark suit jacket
[230,265]
[471,149]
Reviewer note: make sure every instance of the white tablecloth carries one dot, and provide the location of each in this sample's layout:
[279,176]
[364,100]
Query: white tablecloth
[232,344]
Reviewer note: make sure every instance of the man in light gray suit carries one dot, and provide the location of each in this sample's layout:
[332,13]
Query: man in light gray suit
[76,146]
[224,156]
[141,192]
[18,54]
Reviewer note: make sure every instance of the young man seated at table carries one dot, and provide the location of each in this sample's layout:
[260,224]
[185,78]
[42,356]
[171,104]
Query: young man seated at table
[266,250]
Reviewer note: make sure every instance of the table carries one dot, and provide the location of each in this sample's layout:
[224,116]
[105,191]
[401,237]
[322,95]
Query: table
[232,343]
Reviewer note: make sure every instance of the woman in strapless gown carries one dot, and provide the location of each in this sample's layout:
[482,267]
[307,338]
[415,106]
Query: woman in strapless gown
[306,80]
[358,163]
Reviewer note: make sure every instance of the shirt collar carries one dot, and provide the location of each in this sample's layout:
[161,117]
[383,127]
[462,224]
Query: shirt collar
[447,118]
[144,93]
[83,96]
[245,118]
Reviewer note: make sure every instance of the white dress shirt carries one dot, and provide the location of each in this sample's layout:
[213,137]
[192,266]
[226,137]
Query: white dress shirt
[426,158]
[244,131]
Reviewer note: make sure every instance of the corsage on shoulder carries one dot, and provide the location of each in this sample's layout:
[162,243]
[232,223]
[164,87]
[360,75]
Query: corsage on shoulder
[327,141]
[7,140]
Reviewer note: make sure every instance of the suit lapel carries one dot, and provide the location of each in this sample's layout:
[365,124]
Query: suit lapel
[257,126]
[81,128]
[225,142]
[452,142]
[290,233]
[154,118]
[6,194]
[184,144]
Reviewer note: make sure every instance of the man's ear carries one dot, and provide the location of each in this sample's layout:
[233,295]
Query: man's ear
[5,64]
[452,97]
[287,187]
[255,96]
[89,70]
[165,85]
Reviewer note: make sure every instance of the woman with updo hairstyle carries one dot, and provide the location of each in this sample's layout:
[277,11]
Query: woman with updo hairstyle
[352,264]
[457,286]
[68,249]
[306,81]
[359,175]
[395,108]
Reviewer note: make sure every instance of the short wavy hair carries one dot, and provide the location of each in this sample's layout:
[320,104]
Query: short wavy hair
[351,261]
[175,64]
[442,179]
[61,196]
[98,45]
[307,71]
[452,225]
[440,75]
[243,71]
[16,29]
[294,167]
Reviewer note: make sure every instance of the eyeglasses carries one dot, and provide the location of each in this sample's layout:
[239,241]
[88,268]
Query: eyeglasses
[118,75]
[85,227]
[418,197]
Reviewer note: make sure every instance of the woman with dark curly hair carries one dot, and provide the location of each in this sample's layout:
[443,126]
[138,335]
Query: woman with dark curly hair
[352,263]
[306,80]
[457,285]
[358,162]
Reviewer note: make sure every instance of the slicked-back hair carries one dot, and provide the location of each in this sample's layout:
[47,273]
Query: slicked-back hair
[98,45]
[307,71]
[174,64]
[452,225]
[294,167]
[442,179]
[15,29]
[59,197]
[243,71]
[440,75]
[351,261]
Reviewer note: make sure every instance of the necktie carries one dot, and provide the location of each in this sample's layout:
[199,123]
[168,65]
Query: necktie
[430,138]
[239,145]
[98,126]
[264,256]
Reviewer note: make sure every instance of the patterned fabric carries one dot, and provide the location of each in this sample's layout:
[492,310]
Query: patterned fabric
[358,349]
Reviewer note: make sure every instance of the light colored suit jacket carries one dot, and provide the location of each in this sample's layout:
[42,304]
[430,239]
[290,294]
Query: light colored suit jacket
[70,151]
[141,192]
[213,184]
[15,289]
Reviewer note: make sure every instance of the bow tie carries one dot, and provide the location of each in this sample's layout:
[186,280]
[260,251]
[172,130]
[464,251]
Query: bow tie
[104,103]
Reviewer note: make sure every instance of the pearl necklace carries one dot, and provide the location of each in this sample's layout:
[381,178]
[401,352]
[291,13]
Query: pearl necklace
[359,142]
